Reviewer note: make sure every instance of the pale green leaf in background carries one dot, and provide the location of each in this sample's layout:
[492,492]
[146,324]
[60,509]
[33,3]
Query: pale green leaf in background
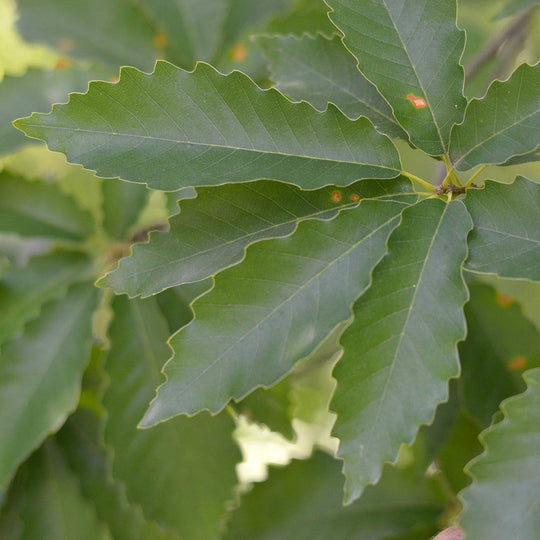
[182,473]
[302,502]
[401,349]
[503,501]
[272,310]
[45,502]
[173,129]
[506,235]
[515,6]
[503,124]
[321,70]
[410,50]
[212,231]
[40,375]
[37,209]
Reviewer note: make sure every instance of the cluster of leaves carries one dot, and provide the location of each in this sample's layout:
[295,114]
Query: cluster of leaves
[293,226]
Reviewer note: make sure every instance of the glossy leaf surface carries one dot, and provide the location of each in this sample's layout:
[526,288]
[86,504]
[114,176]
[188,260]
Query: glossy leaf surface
[42,210]
[212,231]
[507,472]
[506,235]
[410,50]
[192,460]
[321,71]
[40,374]
[174,128]
[272,310]
[505,123]
[401,348]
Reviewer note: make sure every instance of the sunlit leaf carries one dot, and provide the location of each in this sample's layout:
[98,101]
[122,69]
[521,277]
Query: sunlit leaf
[174,128]
[401,348]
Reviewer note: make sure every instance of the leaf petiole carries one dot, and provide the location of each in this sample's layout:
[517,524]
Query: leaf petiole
[414,178]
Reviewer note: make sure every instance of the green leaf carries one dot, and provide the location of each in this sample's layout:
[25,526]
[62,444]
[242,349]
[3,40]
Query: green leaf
[174,128]
[503,500]
[307,16]
[506,235]
[409,50]
[321,70]
[505,123]
[24,291]
[302,502]
[291,292]
[33,91]
[40,375]
[213,230]
[500,344]
[81,446]
[401,348]
[41,210]
[181,472]
[515,6]
[122,204]
[45,502]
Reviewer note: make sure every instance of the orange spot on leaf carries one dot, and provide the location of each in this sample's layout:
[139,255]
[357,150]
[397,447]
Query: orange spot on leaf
[114,79]
[336,196]
[355,197]
[517,363]
[160,40]
[504,301]
[62,63]
[239,52]
[418,102]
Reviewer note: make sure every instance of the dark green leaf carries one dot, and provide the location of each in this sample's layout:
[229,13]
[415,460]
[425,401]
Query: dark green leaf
[410,50]
[181,472]
[503,500]
[122,204]
[401,348]
[500,344]
[505,123]
[38,209]
[302,502]
[506,235]
[45,502]
[272,310]
[308,16]
[321,70]
[40,375]
[24,291]
[174,128]
[34,91]
[213,230]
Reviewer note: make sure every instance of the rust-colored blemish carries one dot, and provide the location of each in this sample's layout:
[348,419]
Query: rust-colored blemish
[504,300]
[114,79]
[418,102]
[517,363]
[336,196]
[62,63]
[239,52]
[355,197]
[160,40]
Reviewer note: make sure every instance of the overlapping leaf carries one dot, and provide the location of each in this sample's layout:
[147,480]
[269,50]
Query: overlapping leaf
[410,50]
[504,498]
[213,230]
[320,70]
[272,310]
[40,374]
[302,502]
[45,502]
[40,210]
[500,344]
[24,291]
[181,472]
[34,91]
[506,235]
[174,128]
[505,123]
[401,348]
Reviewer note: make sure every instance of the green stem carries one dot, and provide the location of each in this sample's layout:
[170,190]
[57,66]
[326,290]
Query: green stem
[476,175]
[418,180]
